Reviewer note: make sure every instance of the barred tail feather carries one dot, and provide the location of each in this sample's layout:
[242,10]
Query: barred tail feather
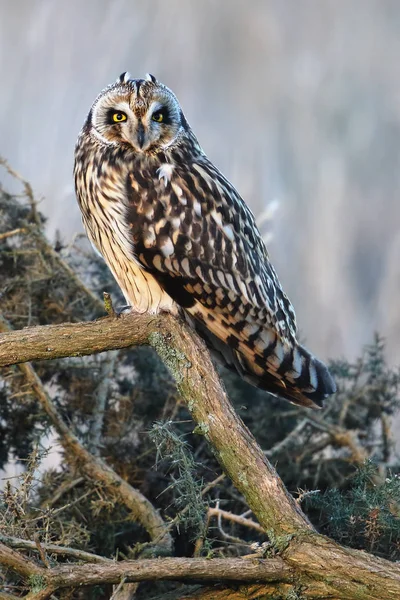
[307,385]
[286,369]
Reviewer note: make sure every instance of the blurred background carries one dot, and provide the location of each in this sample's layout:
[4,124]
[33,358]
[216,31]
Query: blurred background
[297,101]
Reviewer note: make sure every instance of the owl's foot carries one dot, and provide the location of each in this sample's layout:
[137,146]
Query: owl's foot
[125,309]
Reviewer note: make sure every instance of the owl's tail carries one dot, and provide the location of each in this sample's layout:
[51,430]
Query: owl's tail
[295,374]
[286,369]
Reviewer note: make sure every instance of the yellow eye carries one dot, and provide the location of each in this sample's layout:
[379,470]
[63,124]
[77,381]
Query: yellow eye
[119,117]
[158,116]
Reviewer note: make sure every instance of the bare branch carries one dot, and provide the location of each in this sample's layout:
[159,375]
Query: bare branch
[178,569]
[100,398]
[218,512]
[21,544]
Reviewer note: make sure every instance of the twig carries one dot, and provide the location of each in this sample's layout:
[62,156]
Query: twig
[64,488]
[41,551]
[27,188]
[245,592]
[101,395]
[227,536]
[21,544]
[8,234]
[108,305]
[219,513]
[279,446]
[125,591]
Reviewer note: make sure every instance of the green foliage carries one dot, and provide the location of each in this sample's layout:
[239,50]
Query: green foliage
[366,514]
[185,482]
[36,583]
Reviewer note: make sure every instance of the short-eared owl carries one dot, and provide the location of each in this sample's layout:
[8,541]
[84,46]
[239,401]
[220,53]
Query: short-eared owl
[177,236]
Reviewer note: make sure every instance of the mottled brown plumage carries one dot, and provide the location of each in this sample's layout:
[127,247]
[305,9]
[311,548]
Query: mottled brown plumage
[177,236]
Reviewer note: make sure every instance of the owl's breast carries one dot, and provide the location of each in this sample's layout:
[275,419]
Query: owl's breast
[104,204]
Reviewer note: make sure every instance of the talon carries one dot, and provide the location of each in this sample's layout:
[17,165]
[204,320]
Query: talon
[125,309]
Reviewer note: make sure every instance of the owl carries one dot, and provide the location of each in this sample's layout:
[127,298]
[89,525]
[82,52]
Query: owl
[178,237]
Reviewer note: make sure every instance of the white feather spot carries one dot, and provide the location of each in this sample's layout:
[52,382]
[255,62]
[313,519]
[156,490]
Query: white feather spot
[231,285]
[149,214]
[165,172]
[232,295]
[178,190]
[249,330]
[197,208]
[297,363]
[167,247]
[221,277]
[313,376]
[97,250]
[217,217]
[227,229]
[243,288]
[149,237]
[175,223]
[186,266]
[267,336]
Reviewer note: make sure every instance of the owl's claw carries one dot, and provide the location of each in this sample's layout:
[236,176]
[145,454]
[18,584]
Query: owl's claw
[125,309]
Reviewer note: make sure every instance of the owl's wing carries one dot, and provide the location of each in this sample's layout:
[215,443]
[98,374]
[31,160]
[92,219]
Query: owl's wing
[194,233]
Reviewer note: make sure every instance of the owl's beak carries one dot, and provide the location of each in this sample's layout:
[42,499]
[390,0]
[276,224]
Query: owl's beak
[140,135]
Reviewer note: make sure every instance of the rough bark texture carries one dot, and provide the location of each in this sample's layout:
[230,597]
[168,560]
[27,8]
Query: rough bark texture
[308,562]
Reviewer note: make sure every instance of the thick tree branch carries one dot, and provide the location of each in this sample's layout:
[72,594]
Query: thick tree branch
[317,565]
[17,562]
[189,361]
[181,569]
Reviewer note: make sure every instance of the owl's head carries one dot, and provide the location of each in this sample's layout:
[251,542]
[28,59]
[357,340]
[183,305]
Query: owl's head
[139,113]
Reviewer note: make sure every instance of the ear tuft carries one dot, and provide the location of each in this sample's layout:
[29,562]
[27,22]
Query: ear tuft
[150,77]
[124,77]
